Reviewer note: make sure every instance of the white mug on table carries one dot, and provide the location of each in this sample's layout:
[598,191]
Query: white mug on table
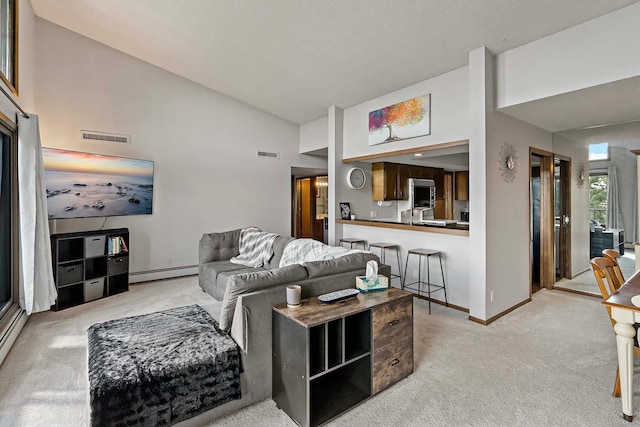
[293,295]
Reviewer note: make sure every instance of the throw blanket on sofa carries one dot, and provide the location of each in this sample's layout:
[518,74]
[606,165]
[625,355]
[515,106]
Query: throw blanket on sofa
[256,247]
[304,250]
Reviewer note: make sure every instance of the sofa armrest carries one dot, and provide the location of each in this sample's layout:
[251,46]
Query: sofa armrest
[244,283]
[251,326]
[219,246]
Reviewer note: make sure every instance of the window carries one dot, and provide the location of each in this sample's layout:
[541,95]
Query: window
[598,197]
[8,227]
[9,44]
[599,151]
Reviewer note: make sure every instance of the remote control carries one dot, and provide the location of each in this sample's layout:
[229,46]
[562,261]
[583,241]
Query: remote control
[338,295]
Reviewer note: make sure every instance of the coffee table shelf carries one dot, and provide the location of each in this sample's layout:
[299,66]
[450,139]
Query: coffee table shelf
[327,358]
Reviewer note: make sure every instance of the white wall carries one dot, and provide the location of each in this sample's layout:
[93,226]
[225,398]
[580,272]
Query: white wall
[603,50]
[450,122]
[508,207]
[314,135]
[449,115]
[361,201]
[579,154]
[499,210]
[207,176]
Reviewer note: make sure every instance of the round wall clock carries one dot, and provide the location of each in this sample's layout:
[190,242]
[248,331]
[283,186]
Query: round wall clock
[356,178]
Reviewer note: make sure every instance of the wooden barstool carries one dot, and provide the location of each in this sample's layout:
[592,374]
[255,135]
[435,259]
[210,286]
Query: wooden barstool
[425,253]
[383,249]
[354,241]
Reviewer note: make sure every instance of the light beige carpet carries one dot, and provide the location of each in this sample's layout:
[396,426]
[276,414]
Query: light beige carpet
[549,363]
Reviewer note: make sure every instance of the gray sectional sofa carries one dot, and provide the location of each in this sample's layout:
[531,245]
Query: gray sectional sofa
[248,295]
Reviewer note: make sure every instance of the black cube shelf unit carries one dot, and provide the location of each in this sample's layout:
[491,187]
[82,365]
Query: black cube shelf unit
[89,265]
[601,239]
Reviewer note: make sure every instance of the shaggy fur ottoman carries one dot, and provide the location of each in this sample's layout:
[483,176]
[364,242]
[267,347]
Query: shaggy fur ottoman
[160,368]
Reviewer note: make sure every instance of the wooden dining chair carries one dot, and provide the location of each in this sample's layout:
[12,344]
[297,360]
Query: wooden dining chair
[613,255]
[603,270]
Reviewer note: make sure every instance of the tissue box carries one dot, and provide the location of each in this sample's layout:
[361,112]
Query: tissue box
[365,284]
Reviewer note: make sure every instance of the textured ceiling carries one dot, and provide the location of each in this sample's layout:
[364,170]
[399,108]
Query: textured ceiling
[295,58]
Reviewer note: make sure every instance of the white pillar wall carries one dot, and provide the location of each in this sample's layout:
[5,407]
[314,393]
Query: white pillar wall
[335,167]
[636,245]
[480,82]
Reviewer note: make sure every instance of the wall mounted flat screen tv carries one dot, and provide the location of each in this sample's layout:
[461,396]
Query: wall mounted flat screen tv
[84,185]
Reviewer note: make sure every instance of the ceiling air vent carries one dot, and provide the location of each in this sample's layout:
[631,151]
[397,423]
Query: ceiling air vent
[268,155]
[90,135]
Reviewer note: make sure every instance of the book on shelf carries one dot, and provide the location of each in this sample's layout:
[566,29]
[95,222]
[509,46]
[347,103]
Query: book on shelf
[123,245]
[117,245]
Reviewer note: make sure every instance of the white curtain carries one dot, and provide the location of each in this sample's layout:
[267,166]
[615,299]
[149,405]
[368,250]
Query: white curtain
[37,289]
[614,216]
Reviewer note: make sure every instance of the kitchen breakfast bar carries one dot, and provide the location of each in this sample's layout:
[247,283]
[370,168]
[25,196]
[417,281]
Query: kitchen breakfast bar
[451,238]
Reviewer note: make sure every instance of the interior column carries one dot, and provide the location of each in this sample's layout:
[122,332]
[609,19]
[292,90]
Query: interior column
[636,245]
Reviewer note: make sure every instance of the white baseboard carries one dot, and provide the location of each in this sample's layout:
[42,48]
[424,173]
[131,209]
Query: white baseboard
[14,330]
[163,273]
[580,272]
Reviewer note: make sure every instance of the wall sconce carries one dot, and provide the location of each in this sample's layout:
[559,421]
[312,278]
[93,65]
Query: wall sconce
[508,162]
[580,176]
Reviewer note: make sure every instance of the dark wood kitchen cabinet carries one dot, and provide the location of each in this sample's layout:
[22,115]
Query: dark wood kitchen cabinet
[391,180]
[402,183]
[462,185]
[438,177]
[384,185]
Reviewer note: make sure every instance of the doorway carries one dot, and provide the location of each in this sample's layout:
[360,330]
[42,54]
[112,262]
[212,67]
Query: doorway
[562,216]
[550,218]
[541,220]
[311,208]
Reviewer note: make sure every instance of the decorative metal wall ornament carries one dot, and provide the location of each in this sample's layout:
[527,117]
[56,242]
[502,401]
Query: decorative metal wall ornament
[508,162]
[580,175]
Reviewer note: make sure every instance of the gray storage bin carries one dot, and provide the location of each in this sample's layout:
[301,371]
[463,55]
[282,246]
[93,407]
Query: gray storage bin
[117,265]
[93,289]
[94,246]
[70,273]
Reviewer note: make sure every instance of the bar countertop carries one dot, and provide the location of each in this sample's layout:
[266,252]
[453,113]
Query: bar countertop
[458,228]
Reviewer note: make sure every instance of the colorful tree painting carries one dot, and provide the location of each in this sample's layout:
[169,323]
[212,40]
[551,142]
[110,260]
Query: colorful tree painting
[411,116]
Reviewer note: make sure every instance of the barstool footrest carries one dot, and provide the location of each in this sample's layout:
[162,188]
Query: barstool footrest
[428,285]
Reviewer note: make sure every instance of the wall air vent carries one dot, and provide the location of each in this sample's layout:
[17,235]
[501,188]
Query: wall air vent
[268,155]
[90,135]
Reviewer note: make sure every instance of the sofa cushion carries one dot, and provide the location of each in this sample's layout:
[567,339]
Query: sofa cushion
[214,275]
[219,246]
[242,283]
[278,248]
[339,265]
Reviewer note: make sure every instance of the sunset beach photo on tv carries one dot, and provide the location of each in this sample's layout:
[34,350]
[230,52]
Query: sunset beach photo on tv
[82,185]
